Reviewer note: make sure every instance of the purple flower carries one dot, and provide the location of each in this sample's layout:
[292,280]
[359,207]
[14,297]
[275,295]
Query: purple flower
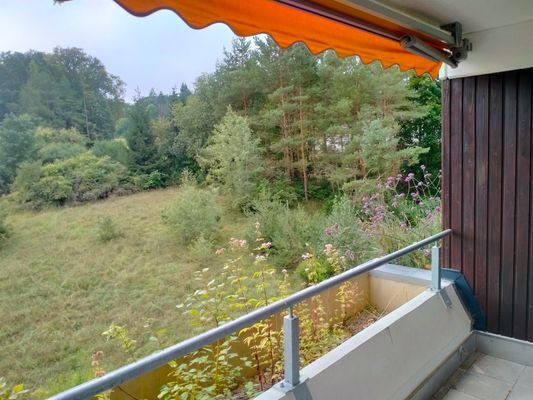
[409,177]
[423,167]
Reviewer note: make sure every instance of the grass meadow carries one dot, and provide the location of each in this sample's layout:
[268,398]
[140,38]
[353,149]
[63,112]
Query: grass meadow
[61,286]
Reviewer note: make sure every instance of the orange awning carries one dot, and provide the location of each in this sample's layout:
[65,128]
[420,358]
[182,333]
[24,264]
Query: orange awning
[288,25]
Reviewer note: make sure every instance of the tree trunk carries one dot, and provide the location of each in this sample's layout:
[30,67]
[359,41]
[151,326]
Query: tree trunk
[302,146]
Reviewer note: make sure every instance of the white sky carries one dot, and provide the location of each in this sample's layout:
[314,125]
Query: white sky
[159,51]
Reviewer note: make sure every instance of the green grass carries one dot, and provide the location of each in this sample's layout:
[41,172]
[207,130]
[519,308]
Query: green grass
[61,286]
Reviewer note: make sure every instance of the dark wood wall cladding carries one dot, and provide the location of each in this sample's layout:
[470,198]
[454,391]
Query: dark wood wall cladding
[487,193]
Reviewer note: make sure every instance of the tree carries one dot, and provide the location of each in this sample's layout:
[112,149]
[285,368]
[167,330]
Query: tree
[65,89]
[425,131]
[184,94]
[191,126]
[141,141]
[13,76]
[17,144]
[233,159]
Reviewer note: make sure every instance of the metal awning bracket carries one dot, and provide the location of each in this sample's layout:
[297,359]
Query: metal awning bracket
[462,45]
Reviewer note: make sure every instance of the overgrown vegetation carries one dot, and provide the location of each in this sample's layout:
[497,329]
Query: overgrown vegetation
[316,163]
[195,213]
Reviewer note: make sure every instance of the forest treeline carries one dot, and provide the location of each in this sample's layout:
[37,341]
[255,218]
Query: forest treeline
[268,120]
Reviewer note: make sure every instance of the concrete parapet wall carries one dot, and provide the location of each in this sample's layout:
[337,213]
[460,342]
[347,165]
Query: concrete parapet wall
[391,358]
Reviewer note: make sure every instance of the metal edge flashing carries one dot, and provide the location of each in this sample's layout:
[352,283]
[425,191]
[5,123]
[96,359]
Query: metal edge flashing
[506,348]
[466,295]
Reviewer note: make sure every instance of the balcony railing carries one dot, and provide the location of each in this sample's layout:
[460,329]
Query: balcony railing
[290,327]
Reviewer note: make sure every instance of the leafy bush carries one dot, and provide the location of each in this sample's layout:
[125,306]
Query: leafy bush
[114,149]
[195,213]
[82,178]
[278,189]
[59,144]
[4,228]
[59,151]
[153,180]
[8,393]
[291,231]
[26,181]
[345,232]
[108,230]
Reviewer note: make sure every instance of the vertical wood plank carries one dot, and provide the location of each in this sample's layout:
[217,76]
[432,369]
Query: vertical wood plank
[456,167]
[529,302]
[508,203]
[469,179]
[445,173]
[481,189]
[523,167]
[495,203]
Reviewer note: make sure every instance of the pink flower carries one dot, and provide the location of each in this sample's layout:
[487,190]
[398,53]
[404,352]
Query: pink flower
[331,230]
[328,249]
[349,255]
[409,177]
[307,256]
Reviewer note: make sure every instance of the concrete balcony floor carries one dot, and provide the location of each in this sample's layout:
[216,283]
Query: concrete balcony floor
[483,377]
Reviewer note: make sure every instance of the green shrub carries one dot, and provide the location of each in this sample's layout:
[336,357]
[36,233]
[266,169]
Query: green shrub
[59,144]
[153,180]
[26,181]
[108,230]
[278,189]
[114,149]
[11,393]
[291,231]
[314,270]
[82,178]
[343,229]
[59,151]
[4,228]
[195,213]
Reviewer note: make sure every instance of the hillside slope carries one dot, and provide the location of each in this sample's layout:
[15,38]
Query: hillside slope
[61,287]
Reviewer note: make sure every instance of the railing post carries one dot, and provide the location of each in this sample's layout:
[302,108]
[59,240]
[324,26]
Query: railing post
[435,269]
[291,349]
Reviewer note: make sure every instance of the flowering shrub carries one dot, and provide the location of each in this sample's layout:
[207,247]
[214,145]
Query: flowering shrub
[289,231]
[316,268]
[216,371]
[403,210]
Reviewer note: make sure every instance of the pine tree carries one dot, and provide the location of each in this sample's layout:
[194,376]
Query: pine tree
[141,141]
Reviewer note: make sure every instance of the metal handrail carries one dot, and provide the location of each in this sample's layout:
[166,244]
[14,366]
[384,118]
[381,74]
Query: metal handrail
[158,359]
